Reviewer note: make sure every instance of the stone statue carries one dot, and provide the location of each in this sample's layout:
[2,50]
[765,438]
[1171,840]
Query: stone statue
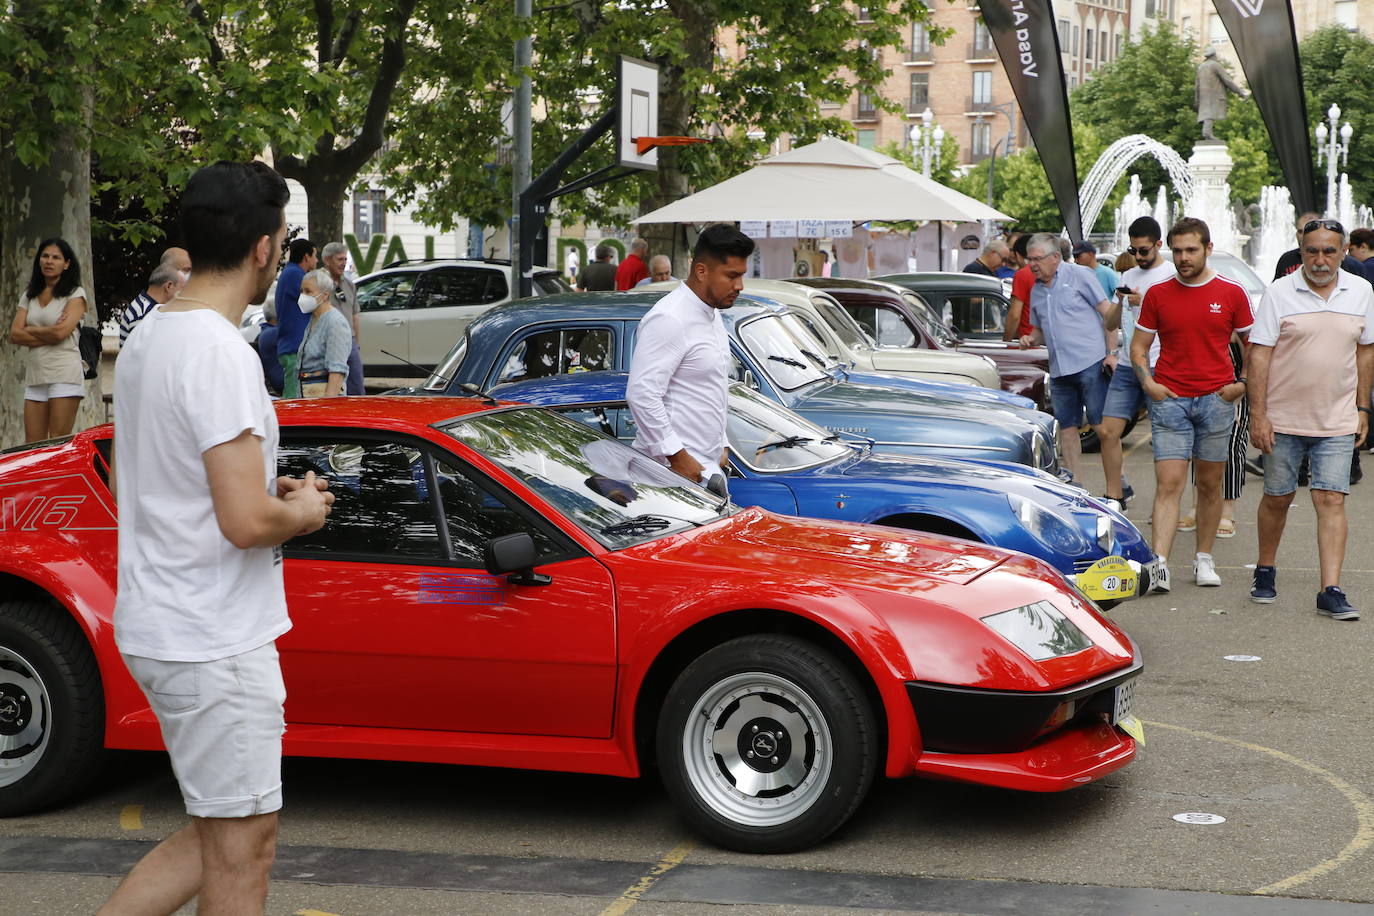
[1212,86]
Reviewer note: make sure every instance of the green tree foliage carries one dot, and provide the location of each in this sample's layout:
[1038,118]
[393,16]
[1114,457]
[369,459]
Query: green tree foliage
[1336,66]
[1021,190]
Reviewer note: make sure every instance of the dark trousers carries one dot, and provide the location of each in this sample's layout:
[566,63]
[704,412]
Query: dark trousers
[354,383]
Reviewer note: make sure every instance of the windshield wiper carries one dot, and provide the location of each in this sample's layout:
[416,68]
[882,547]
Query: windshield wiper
[787,361]
[637,524]
[789,442]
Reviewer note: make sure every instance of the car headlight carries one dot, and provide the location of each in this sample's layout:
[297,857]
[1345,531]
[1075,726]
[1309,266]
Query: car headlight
[1056,532]
[1040,451]
[1040,630]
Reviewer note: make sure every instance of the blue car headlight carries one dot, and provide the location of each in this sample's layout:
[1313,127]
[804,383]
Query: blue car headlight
[1057,532]
[1040,630]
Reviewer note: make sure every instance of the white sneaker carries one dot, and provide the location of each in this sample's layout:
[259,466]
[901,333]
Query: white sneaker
[1205,571]
[1161,577]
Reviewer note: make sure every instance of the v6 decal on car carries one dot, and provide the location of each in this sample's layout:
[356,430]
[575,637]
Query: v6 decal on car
[65,512]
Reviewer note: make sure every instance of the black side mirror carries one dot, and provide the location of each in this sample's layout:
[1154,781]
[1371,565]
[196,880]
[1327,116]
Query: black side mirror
[512,555]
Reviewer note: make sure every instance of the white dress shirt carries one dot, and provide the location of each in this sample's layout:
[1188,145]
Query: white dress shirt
[679,375]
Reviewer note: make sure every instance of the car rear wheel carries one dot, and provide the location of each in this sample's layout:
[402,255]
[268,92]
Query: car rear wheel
[767,744]
[51,708]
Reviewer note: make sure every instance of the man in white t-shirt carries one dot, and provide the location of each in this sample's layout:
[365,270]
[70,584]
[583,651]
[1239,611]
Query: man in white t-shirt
[202,516]
[1125,397]
[1309,367]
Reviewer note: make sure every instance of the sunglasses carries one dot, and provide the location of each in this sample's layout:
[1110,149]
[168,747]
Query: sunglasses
[1329,224]
[1142,252]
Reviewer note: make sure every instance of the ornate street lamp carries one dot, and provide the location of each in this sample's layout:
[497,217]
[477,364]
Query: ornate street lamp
[1332,149]
[927,139]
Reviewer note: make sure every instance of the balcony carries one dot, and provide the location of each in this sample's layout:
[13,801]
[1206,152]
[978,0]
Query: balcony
[926,56]
[914,107]
[973,105]
[865,112]
[976,50]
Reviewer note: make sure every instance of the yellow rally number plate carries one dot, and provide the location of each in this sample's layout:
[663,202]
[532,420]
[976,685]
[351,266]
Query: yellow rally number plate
[1109,577]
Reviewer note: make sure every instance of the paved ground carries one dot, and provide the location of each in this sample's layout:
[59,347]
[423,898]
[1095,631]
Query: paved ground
[1280,747]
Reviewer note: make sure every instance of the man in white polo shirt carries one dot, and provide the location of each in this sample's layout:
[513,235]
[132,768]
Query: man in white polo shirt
[1310,365]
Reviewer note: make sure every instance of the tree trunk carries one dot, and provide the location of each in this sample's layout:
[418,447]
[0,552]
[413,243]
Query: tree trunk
[325,194]
[675,110]
[53,199]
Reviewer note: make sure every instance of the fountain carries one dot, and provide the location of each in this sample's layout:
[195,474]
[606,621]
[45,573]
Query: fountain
[1112,164]
[1276,229]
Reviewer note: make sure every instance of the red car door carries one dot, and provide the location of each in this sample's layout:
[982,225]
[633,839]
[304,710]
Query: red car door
[396,624]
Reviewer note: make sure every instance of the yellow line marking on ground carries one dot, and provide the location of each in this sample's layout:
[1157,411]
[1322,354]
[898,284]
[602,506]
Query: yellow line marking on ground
[1364,808]
[664,865]
[131,818]
[313,913]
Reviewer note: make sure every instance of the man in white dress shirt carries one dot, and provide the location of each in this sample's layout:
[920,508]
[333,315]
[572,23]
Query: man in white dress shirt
[680,369]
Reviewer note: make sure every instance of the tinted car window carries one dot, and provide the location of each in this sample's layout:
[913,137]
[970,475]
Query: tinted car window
[474,515]
[550,283]
[382,504]
[389,291]
[559,352]
[461,286]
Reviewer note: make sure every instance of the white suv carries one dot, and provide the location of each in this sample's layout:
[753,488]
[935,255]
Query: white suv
[418,310]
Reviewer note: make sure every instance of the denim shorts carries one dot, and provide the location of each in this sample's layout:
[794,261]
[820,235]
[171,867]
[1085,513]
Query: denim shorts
[1328,459]
[1071,395]
[1125,397]
[222,722]
[1183,428]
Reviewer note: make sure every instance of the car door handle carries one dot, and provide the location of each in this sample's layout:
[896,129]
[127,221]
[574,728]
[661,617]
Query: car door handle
[394,322]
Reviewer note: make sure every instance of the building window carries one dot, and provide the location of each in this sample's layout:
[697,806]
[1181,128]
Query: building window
[866,110]
[981,139]
[1346,14]
[920,41]
[1149,9]
[868,138]
[982,38]
[1102,47]
[1119,39]
[1088,44]
[1074,50]
[369,215]
[1216,29]
[865,14]
[1063,34]
[920,93]
[982,87]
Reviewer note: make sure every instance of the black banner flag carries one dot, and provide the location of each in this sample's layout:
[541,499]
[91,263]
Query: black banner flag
[1267,47]
[1026,40]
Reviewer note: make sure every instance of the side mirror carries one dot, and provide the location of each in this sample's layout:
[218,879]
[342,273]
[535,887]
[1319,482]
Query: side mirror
[512,555]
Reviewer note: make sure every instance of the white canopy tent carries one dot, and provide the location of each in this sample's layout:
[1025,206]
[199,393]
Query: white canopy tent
[831,180]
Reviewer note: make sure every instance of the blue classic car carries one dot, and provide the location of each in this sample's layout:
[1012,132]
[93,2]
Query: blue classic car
[782,462]
[565,334]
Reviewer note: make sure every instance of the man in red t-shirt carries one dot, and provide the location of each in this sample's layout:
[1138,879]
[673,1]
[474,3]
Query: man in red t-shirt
[1192,390]
[1022,282]
[635,267]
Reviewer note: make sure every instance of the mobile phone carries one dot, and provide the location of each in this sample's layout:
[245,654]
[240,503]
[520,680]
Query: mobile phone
[1123,290]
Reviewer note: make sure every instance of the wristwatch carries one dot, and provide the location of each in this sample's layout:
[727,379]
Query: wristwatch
[1366,410]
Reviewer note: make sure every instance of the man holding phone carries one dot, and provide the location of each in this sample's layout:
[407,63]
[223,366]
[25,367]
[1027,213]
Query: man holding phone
[1125,397]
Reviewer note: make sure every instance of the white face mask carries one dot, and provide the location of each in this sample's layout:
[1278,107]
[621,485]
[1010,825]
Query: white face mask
[308,303]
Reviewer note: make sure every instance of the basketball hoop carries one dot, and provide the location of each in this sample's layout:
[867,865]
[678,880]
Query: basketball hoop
[644,144]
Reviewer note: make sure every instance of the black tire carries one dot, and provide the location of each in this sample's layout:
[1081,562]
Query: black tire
[1091,445]
[52,708]
[768,693]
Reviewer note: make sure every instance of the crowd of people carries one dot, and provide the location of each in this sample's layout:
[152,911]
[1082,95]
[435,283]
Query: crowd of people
[637,269]
[1291,379]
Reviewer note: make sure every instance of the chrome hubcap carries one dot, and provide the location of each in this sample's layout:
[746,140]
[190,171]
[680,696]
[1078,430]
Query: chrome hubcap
[24,717]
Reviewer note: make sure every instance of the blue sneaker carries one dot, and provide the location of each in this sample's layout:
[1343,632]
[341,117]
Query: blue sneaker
[1262,590]
[1127,492]
[1331,602]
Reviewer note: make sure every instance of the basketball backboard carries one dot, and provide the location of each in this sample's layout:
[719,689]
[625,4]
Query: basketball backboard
[637,96]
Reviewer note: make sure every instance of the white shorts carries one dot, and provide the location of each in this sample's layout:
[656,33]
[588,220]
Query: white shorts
[54,390]
[222,722]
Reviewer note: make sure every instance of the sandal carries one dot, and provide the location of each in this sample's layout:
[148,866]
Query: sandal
[1226,528]
[1187,523]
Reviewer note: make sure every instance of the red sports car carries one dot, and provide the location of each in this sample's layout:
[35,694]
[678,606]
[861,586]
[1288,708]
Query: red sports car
[500,586]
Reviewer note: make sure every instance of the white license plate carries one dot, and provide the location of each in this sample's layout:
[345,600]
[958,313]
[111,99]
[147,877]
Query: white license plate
[1123,699]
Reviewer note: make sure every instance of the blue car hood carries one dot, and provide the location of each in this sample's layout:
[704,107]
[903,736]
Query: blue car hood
[953,390]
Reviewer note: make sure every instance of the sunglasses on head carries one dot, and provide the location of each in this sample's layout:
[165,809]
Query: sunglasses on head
[1332,225]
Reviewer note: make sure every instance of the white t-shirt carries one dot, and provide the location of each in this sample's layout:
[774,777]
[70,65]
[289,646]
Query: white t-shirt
[185,383]
[52,363]
[1140,280]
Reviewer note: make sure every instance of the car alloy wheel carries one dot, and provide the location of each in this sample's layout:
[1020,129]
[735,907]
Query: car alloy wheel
[25,717]
[767,743]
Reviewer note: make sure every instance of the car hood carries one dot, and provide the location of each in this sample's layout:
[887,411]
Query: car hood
[939,362]
[851,397]
[961,392]
[843,552]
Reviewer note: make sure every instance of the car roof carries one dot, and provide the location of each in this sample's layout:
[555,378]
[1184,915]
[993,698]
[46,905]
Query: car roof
[632,304]
[943,279]
[851,285]
[419,265]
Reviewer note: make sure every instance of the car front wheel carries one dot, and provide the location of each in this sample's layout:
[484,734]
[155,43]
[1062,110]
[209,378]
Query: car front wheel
[767,744]
[51,708]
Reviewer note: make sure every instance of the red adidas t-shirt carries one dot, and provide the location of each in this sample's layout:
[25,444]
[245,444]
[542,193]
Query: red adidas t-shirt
[1194,324]
[1022,282]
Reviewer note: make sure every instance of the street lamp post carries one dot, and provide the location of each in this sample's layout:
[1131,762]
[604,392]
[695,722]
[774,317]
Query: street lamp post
[1332,149]
[926,139]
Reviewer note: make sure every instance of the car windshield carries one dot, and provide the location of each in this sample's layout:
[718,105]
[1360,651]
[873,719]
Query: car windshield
[614,493]
[843,327]
[925,317]
[768,437]
[777,353]
[1232,267]
[447,370]
[809,339]
[389,291]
